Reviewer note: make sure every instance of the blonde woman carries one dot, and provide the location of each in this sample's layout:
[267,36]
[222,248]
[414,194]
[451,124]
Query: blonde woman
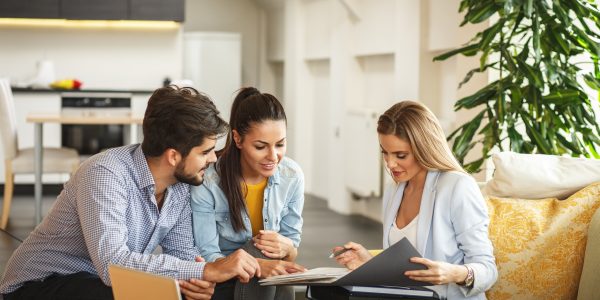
[434,203]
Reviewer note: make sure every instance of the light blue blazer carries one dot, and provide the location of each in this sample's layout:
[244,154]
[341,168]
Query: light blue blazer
[452,227]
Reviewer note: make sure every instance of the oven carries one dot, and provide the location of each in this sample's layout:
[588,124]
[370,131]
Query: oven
[91,139]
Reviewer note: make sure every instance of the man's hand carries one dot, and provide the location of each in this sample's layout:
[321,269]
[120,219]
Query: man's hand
[274,245]
[270,268]
[238,264]
[196,289]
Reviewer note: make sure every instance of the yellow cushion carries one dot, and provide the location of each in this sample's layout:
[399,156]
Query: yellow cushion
[540,244]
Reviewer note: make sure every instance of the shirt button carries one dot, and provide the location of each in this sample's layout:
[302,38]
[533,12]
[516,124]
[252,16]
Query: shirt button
[266,220]
[265,199]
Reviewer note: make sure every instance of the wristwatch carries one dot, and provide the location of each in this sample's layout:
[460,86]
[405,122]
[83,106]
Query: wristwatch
[470,277]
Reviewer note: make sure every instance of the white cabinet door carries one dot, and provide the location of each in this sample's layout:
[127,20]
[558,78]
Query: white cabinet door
[213,61]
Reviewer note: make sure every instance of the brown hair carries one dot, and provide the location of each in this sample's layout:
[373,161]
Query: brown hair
[415,123]
[180,119]
[250,106]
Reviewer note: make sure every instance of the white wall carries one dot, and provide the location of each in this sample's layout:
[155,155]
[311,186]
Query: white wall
[366,55]
[100,58]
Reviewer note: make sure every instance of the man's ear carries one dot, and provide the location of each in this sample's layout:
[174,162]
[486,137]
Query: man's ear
[173,156]
[237,139]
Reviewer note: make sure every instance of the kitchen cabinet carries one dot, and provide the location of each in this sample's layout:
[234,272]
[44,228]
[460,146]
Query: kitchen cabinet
[50,103]
[159,10]
[94,10]
[164,10]
[48,9]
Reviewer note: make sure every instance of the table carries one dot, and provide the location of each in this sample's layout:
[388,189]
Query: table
[65,118]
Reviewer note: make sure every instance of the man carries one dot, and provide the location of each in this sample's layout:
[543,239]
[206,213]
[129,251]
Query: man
[125,202]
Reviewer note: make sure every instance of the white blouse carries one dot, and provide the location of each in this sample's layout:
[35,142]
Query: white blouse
[409,231]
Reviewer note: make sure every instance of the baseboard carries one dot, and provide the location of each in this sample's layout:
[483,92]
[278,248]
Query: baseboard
[27,189]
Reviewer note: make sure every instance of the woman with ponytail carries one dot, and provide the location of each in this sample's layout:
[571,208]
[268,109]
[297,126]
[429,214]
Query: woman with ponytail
[252,198]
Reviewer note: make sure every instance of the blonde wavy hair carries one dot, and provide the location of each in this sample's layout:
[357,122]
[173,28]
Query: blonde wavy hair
[413,122]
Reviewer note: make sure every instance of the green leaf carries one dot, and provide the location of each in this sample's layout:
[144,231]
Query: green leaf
[472,72]
[541,144]
[462,144]
[510,63]
[516,140]
[480,14]
[489,35]
[528,8]
[531,73]
[474,166]
[561,97]
[469,50]
[592,82]
[563,141]
[536,38]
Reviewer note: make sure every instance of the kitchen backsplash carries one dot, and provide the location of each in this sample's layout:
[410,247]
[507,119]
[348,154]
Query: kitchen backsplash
[100,58]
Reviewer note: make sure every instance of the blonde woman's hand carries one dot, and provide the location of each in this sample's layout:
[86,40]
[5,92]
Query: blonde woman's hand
[354,257]
[437,272]
[273,244]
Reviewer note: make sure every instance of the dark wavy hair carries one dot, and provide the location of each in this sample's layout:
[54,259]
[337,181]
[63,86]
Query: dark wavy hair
[250,106]
[180,119]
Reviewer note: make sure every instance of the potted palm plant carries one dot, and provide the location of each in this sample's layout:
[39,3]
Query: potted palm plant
[545,53]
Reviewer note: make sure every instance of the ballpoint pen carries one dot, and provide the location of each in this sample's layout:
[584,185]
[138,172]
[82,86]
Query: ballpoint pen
[336,253]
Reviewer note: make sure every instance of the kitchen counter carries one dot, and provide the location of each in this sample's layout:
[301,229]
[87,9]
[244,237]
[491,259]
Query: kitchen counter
[50,91]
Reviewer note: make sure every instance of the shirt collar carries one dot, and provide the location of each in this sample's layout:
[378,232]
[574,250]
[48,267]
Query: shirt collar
[141,166]
[276,178]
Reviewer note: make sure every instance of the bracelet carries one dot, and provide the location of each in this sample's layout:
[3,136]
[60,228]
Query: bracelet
[470,277]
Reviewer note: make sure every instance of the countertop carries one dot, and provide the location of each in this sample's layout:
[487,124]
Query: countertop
[48,90]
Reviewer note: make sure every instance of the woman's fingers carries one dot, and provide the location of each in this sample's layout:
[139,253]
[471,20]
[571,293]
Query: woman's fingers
[424,261]
[197,289]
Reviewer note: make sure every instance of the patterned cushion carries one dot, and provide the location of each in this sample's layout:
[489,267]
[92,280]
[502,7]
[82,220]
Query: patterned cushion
[540,245]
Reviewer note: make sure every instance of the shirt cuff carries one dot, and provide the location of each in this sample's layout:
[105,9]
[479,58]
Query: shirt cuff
[191,269]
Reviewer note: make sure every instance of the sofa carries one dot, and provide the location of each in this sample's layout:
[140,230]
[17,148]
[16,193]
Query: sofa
[545,226]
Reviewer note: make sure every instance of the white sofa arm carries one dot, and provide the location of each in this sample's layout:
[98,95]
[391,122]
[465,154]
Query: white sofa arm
[590,277]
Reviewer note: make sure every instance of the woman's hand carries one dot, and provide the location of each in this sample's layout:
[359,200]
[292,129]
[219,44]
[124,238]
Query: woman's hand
[353,258]
[196,289]
[270,268]
[275,245]
[437,272]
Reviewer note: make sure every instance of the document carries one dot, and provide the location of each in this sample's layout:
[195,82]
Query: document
[320,275]
[385,269]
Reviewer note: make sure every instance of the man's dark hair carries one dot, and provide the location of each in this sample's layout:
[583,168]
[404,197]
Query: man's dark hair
[179,118]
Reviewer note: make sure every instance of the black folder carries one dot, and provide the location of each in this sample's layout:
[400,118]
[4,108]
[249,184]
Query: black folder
[385,269]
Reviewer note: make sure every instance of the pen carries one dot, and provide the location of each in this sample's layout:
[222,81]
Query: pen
[336,253]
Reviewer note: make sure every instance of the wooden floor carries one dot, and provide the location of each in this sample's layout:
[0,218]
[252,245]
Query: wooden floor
[323,229]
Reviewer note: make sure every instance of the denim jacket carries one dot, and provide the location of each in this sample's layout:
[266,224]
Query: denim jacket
[282,211]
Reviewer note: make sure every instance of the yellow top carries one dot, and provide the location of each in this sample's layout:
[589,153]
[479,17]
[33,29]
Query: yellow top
[254,203]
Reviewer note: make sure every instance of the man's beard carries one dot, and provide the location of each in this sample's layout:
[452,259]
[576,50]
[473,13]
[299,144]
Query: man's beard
[181,176]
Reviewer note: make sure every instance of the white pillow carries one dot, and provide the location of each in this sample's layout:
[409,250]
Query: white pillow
[537,176]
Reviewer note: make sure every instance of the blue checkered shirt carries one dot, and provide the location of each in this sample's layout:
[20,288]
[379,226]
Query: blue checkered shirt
[107,214]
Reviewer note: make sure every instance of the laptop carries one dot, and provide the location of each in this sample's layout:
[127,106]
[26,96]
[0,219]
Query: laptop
[129,284]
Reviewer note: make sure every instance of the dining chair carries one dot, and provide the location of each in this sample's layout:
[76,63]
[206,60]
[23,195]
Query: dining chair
[21,161]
